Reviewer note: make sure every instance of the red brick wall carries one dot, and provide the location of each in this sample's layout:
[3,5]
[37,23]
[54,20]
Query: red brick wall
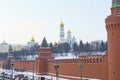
[41,61]
[24,65]
[94,66]
[1,64]
[70,67]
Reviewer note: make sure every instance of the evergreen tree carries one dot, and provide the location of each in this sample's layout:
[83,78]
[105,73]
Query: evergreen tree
[75,47]
[66,47]
[106,46]
[52,48]
[56,49]
[81,46]
[44,43]
[102,46]
[61,48]
[87,47]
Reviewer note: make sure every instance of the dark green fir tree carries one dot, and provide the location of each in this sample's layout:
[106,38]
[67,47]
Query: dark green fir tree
[44,43]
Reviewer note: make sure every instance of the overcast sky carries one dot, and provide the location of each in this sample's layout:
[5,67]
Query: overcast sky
[22,19]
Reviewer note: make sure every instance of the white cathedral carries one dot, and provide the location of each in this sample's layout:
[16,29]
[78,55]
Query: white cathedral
[71,40]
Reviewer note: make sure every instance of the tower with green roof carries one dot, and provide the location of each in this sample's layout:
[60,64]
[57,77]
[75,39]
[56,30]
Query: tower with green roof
[113,35]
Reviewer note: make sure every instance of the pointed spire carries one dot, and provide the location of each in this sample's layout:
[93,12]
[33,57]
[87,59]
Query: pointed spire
[44,43]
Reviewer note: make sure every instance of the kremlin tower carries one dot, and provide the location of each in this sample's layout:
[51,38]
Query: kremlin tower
[113,35]
[62,38]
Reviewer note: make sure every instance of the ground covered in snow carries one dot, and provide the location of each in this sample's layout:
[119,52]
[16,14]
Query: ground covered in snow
[37,77]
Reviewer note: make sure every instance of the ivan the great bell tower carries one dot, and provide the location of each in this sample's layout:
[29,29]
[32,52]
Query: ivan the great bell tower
[113,36]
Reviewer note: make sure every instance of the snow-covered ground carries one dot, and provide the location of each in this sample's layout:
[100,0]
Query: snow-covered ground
[37,77]
[30,75]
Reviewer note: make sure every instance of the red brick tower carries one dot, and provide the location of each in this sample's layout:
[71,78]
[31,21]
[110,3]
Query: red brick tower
[113,35]
[44,53]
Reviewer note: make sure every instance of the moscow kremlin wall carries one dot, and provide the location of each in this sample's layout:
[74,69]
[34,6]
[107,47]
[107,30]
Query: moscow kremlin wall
[104,67]
[93,66]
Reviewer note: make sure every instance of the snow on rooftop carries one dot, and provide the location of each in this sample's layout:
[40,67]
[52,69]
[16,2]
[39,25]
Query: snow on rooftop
[65,56]
[73,56]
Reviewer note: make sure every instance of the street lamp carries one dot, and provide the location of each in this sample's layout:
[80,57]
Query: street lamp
[12,64]
[56,68]
[81,67]
[10,49]
[33,68]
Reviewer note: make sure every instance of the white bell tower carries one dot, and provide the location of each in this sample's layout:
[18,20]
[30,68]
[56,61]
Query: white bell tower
[62,37]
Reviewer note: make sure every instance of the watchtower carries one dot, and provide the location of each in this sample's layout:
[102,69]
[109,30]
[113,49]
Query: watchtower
[113,35]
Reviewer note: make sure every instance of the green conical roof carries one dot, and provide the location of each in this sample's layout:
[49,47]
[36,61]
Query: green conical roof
[115,3]
[44,43]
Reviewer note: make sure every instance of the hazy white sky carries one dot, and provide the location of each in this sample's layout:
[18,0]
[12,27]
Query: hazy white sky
[22,19]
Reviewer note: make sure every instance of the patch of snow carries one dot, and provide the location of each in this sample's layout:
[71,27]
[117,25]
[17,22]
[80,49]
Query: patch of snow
[37,77]
[65,56]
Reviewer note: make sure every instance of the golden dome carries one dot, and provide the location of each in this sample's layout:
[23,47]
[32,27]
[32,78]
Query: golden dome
[19,46]
[32,39]
[68,31]
[61,24]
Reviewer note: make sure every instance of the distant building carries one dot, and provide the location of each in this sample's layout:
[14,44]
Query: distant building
[62,37]
[32,42]
[17,47]
[4,47]
[71,40]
